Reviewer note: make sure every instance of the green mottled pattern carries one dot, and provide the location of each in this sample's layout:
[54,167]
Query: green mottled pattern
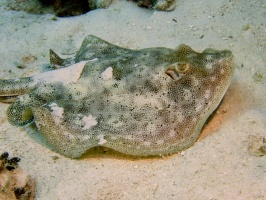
[155,102]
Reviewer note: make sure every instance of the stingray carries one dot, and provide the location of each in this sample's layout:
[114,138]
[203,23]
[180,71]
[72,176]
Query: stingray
[151,101]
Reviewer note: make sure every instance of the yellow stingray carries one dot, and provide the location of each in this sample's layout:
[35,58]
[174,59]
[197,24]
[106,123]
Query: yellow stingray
[140,102]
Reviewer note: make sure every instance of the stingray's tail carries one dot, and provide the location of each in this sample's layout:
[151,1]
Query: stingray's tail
[11,88]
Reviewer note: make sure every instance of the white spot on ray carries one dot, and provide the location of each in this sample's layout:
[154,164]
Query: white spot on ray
[89,121]
[24,98]
[69,135]
[207,94]
[213,78]
[187,94]
[198,106]
[209,57]
[153,102]
[113,137]
[107,74]
[172,133]
[102,140]
[209,66]
[57,113]
[85,137]
[195,81]
[65,75]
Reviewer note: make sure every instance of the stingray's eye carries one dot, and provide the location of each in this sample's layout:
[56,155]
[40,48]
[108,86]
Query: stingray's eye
[176,70]
[181,67]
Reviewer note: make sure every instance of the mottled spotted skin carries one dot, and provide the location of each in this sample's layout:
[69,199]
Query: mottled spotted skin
[155,102]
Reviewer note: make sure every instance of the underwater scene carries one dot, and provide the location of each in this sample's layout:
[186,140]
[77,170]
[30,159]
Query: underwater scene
[140,99]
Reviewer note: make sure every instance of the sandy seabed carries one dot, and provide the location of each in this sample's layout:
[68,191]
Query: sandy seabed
[218,166]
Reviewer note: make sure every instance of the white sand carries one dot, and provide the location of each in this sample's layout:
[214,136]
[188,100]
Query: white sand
[218,166]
